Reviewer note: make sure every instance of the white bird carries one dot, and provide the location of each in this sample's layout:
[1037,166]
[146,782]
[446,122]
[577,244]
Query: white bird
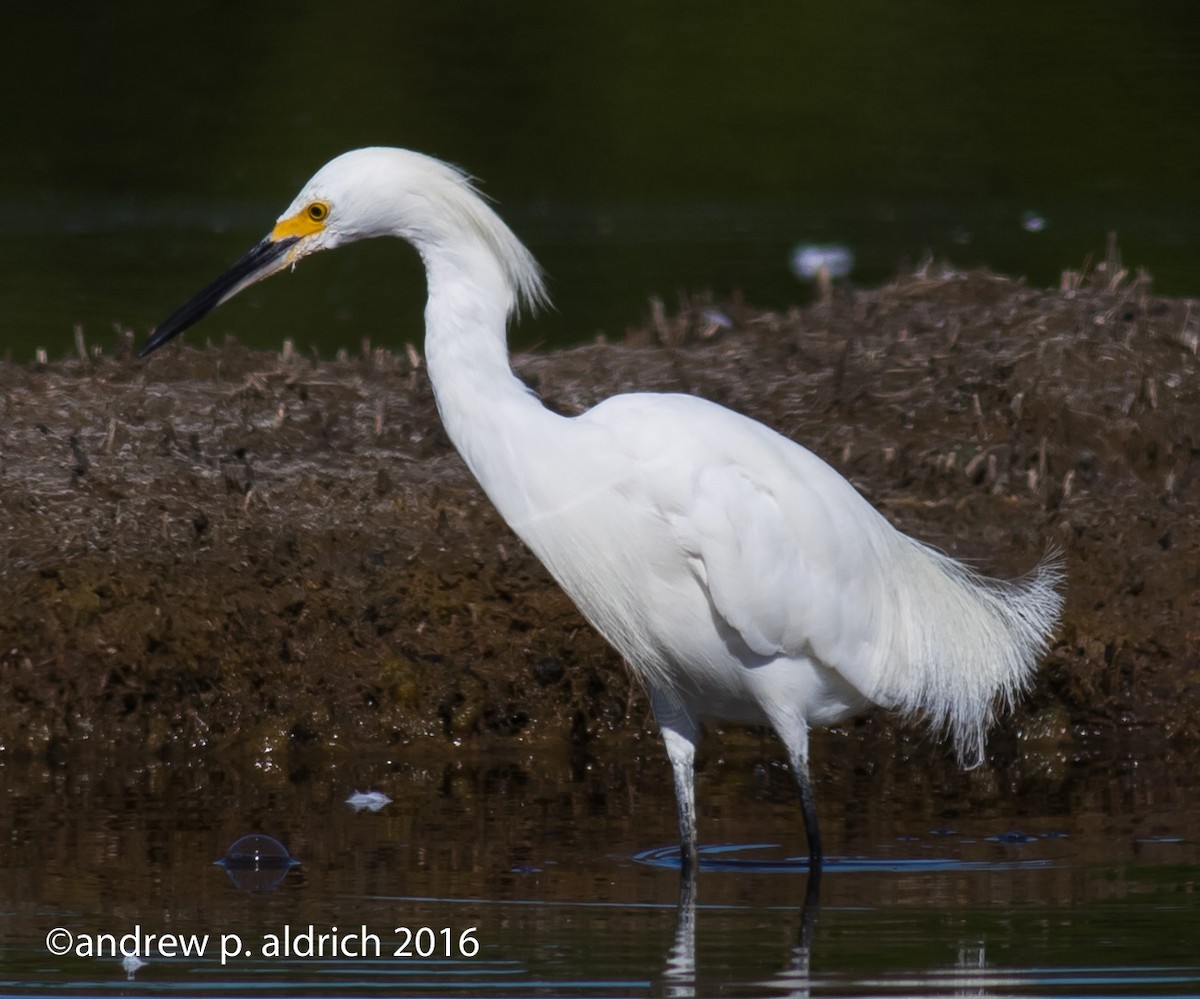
[739,575]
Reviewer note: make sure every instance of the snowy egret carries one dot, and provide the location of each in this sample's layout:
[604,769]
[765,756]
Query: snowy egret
[739,576]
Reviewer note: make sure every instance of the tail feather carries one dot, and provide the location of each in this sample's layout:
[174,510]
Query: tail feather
[969,644]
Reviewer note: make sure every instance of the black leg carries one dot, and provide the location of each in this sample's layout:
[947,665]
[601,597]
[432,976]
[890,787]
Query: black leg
[808,808]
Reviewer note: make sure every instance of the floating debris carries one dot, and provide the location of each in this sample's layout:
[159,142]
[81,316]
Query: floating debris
[372,801]
[1032,222]
[716,318]
[811,260]
[131,964]
[257,862]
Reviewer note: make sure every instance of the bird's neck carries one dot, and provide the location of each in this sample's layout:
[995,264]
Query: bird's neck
[485,408]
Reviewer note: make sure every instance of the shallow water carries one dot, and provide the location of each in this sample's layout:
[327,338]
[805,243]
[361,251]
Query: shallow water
[511,875]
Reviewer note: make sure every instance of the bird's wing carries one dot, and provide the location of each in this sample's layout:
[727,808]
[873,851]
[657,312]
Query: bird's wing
[801,566]
[790,565]
[788,550]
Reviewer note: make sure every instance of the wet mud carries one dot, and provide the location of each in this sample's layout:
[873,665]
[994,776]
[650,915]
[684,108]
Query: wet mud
[228,547]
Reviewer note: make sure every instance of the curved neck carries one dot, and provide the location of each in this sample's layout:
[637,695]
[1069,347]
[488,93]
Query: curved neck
[485,408]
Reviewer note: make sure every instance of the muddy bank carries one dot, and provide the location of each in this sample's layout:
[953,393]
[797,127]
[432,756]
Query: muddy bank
[228,547]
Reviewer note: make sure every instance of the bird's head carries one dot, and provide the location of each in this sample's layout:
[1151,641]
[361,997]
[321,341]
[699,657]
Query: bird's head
[363,193]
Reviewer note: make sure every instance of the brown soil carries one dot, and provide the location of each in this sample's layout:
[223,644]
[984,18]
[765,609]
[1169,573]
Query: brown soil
[229,547]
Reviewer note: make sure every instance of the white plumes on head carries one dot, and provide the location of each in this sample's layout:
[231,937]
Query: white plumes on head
[464,203]
[382,191]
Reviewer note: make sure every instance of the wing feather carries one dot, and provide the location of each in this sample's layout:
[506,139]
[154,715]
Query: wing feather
[799,564]
[790,565]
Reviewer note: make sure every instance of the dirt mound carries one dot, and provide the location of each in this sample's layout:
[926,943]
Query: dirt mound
[223,546]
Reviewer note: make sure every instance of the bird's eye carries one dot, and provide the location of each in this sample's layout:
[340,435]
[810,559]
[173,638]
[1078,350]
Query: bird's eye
[318,211]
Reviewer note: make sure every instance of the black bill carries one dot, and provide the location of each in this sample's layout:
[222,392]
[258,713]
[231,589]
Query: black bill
[265,259]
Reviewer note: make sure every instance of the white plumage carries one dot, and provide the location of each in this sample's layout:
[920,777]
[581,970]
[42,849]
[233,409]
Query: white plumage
[739,575]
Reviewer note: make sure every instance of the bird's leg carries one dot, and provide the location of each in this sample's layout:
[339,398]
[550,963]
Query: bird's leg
[681,752]
[798,757]
[680,732]
[792,729]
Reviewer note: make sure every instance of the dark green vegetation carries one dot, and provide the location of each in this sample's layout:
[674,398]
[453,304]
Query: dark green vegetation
[635,150]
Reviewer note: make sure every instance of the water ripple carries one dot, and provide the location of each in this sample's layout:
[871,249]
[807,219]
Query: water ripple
[726,857]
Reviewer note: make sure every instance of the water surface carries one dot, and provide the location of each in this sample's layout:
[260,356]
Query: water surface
[520,875]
